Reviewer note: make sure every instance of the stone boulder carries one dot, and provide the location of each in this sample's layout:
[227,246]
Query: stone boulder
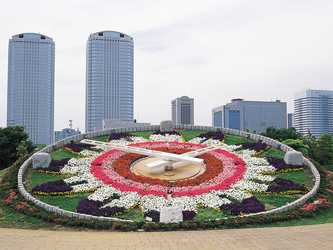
[41,160]
[166,126]
[171,214]
[293,157]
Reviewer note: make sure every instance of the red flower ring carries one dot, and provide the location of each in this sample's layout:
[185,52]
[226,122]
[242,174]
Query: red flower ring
[222,170]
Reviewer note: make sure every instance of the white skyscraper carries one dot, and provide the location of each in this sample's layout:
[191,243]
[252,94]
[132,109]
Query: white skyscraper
[30,99]
[182,110]
[109,78]
[314,111]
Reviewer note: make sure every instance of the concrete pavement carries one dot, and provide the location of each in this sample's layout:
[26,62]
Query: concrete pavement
[299,237]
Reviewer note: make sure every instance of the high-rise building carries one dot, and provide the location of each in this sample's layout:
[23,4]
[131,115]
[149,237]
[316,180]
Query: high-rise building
[314,111]
[30,99]
[182,110]
[109,78]
[255,115]
[291,120]
[66,132]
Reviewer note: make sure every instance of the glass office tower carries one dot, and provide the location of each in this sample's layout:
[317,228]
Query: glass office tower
[109,78]
[314,111]
[30,99]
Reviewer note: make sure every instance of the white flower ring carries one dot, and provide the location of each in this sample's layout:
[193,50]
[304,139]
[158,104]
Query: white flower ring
[237,178]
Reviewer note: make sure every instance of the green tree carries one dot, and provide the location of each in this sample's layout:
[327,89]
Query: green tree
[298,145]
[310,140]
[281,134]
[10,139]
[22,149]
[324,149]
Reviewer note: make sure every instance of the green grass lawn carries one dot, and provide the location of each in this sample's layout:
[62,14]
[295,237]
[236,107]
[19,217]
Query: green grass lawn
[40,178]
[272,152]
[68,202]
[102,138]
[234,139]
[61,154]
[144,134]
[189,134]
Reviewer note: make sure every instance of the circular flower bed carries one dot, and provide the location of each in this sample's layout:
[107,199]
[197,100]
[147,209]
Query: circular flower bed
[232,175]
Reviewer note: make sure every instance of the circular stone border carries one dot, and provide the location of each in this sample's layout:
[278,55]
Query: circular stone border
[76,138]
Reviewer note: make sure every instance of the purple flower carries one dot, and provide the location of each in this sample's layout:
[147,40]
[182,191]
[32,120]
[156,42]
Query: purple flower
[117,136]
[158,132]
[280,164]
[56,165]
[78,147]
[52,186]
[91,207]
[155,215]
[218,135]
[282,185]
[249,205]
[257,146]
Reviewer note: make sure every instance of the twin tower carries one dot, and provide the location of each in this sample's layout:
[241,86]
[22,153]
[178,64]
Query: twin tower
[109,82]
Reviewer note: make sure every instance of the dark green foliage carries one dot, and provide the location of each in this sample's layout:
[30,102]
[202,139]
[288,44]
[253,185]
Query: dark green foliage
[22,149]
[281,134]
[10,139]
[324,149]
[310,140]
[298,145]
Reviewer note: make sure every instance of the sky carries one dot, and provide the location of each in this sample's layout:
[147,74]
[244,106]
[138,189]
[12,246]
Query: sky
[212,51]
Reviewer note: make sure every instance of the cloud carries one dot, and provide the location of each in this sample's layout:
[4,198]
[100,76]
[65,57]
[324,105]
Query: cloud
[209,50]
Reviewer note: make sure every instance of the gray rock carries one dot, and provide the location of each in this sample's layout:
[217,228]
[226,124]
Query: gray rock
[171,214]
[41,160]
[293,157]
[166,126]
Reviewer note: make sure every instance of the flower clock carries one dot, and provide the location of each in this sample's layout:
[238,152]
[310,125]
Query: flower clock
[231,175]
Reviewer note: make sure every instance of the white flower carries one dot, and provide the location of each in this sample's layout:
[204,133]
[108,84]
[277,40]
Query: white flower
[166,138]
[104,193]
[254,176]
[127,201]
[138,139]
[229,148]
[249,186]
[212,142]
[239,195]
[89,153]
[211,200]
[185,203]
[196,140]
[153,203]
[77,166]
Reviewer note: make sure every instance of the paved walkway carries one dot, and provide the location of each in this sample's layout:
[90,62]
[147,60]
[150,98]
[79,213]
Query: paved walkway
[300,237]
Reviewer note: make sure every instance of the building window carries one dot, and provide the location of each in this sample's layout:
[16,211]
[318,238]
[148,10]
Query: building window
[234,119]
